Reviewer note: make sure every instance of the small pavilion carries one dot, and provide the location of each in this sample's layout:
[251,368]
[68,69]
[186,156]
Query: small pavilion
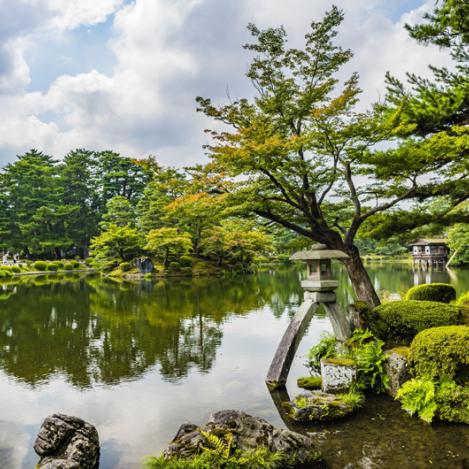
[429,253]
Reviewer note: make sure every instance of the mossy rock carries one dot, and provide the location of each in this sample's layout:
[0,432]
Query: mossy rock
[320,406]
[441,292]
[309,382]
[441,353]
[398,322]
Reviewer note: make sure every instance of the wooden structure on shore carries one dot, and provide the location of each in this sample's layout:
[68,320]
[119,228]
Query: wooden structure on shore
[429,253]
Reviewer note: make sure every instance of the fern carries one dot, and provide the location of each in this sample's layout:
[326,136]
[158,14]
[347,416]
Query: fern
[324,349]
[418,396]
[368,353]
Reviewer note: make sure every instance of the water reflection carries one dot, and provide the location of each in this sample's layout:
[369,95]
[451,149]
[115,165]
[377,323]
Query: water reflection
[98,331]
[138,359]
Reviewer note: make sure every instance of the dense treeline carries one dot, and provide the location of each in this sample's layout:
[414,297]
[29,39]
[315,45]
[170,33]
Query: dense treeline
[119,208]
[299,155]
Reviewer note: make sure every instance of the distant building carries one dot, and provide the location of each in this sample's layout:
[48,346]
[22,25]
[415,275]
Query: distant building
[429,253]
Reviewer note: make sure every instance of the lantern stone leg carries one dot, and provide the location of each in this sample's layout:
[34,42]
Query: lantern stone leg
[319,288]
[283,358]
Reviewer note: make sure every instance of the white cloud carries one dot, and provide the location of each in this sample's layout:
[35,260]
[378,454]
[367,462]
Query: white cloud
[71,14]
[168,52]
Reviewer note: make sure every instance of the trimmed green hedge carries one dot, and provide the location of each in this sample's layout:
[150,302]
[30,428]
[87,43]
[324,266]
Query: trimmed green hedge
[441,353]
[68,266]
[432,292]
[397,322]
[52,266]
[40,265]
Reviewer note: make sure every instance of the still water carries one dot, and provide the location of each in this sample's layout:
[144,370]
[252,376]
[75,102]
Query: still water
[139,359]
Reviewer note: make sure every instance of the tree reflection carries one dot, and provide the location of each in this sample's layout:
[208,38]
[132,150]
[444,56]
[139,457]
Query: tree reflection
[95,330]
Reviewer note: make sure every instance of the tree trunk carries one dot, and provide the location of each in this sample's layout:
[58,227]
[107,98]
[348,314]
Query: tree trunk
[361,282]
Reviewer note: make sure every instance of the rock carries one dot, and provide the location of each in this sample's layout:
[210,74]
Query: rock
[337,374]
[66,442]
[320,406]
[397,368]
[248,433]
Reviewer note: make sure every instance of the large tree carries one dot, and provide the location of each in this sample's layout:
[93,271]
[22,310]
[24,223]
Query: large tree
[304,158]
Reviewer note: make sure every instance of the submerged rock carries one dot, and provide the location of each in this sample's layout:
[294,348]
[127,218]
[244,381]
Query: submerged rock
[249,433]
[321,406]
[397,368]
[66,442]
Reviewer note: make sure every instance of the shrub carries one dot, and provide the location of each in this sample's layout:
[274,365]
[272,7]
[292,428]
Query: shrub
[52,266]
[68,266]
[283,258]
[399,321]
[368,353]
[60,264]
[75,264]
[185,261]
[432,292]
[441,352]
[186,271]
[174,266]
[5,273]
[432,399]
[324,349]
[125,266]
[463,300]
[16,269]
[40,265]
[418,397]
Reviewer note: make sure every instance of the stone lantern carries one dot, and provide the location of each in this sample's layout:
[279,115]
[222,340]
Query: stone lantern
[319,281]
[319,287]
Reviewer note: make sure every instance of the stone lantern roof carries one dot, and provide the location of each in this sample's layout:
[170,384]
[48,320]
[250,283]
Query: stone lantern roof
[318,252]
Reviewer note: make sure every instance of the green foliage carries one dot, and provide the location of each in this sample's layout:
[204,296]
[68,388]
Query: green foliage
[60,265]
[218,453]
[458,237]
[353,398]
[185,261]
[16,269]
[418,397]
[75,264]
[40,265]
[125,266]
[68,266]
[441,352]
[453,402]
[463,300]
[121,243]
[368,354]
[399,321]
[429,399]
[167,243]
[325,348]
[52,266]
[174,266]
[432,292]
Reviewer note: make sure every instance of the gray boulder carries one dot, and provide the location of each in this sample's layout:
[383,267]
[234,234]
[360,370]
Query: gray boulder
[248,433]
[66,442]
[397,368]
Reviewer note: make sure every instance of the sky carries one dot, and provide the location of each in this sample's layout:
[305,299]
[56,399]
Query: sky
[124,74]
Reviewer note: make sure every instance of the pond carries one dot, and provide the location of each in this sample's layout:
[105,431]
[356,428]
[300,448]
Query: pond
[139,359]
